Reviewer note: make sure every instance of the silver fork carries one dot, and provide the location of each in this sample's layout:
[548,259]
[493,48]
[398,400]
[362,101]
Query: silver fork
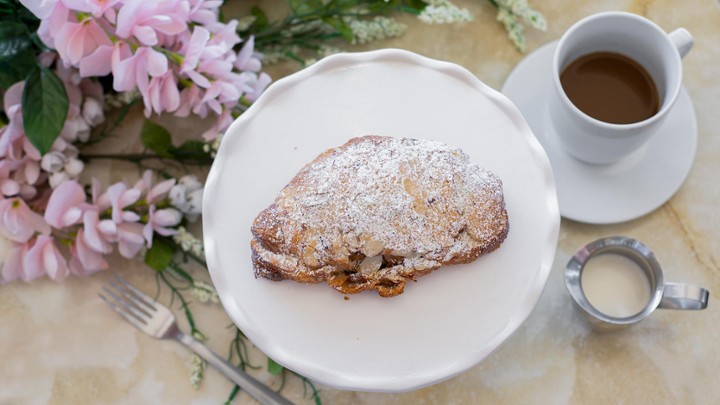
[158,321]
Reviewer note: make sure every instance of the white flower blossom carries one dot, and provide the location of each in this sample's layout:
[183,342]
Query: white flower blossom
[444,12]
[188,242]
[213,146]
[513,28]
[73,167]
[52,161]
[186,196]
[197,370]
[92,112]
[204,292]
[120,99]
[521,9]
[57,178]
[327,50]
[245,23]
[275,54]
[75,129]
[62,166]
[376,29]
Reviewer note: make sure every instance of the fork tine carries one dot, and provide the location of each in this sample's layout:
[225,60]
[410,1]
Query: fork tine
[135,301]
[139,295]
[127,307]
[120,311]
[130,299]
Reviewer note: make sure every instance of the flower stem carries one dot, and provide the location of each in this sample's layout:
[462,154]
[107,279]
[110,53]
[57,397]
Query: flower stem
[238,347]
[200,160]
[308,384]
[132,157]
[194,331]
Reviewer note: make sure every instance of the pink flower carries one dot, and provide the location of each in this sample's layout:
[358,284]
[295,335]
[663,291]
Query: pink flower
[11,140]
[76,40]
[118,196]
[17,177]
[96,7]
[220,92]
[64,207]
[247,60]
[133,71]
[160,221]
[258,86]
[44,258]
[12,100]
[204,11]
[145,19]
[9,187]
[98,233]
[41,8]
[130,239]
[220,125]
[26,174]
[12,265]
[189,98]
[75,129]
[92,111]
[104,59]
[198,40]
[162,94]
[154,192]
[18,222]
[84,259]
[225,35]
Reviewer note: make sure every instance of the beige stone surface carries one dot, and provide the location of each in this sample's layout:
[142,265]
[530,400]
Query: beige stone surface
[59,344]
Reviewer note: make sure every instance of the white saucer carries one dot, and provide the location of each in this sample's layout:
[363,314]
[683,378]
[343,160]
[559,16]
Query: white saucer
[599,194]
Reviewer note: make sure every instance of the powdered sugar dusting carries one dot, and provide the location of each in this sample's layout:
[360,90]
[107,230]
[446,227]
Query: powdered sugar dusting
[400,197]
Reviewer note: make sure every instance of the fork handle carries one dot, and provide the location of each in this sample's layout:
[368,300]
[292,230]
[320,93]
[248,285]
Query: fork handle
[253,387]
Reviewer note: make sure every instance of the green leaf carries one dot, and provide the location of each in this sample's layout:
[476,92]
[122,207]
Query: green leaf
[14,38]
[156,138]
[304,7]
[44,108]
[418,5]
[15,69]
[160,255]
[12,10]
[273,367]
[341,26]
[192,150]
[261,20]
[192,146]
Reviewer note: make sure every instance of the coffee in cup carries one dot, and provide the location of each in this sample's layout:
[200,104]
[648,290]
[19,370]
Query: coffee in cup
[611,87]
[616,77]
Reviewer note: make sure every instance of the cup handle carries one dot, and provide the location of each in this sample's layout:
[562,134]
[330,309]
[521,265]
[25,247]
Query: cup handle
[684,296]
[683,41]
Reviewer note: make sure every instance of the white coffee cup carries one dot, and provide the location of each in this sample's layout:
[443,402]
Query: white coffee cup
[598,142]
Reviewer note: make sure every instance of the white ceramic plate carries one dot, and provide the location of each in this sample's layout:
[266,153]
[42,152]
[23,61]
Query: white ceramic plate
[606,194]
[446,322]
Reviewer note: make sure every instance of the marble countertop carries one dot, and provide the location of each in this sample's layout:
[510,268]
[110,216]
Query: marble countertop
[59,344]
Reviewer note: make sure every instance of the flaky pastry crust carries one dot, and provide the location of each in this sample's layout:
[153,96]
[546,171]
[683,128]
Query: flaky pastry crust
[376,212]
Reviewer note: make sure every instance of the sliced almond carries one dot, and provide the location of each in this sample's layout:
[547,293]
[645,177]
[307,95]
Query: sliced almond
[309,258]
[370,264]
[372,247]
